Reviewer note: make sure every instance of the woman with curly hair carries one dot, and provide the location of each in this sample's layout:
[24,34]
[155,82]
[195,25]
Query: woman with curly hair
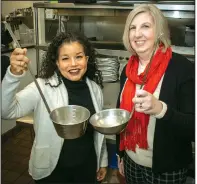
[68,76]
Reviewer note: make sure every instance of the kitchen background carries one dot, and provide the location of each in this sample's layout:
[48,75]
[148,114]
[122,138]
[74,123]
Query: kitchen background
[103,26]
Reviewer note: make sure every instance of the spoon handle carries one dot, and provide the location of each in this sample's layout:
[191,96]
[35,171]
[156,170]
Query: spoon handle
[28,66]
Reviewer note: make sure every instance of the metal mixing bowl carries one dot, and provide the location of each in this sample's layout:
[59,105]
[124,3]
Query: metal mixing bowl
[70,121]
[110,121]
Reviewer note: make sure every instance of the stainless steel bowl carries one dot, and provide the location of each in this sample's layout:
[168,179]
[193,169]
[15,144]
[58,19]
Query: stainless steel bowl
[110,121]
[70,121]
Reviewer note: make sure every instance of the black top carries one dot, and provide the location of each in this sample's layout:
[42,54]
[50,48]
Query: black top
[174,132]
[75,151]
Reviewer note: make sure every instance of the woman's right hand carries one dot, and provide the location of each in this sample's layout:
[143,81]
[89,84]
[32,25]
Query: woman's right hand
[121,166]
[18,61]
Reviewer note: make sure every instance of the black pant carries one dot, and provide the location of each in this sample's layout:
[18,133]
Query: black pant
[84,173]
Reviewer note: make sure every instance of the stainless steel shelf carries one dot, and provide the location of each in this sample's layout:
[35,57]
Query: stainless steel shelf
[77,6]
[122,2]
[97,44]
[178,10]
[186,51]
[164,5]
[171,9]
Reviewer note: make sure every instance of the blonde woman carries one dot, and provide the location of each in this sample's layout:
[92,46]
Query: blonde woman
[156,146]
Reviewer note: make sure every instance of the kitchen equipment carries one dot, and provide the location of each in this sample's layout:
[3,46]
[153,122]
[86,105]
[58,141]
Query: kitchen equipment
[110,121]
[69,121]
[189,37]
[78,1]
[109,65]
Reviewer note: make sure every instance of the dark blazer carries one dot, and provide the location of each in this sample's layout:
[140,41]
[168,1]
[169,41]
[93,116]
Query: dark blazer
[174,132]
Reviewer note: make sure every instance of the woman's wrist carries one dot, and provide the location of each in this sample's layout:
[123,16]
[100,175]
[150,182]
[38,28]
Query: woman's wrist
[161,110]
[14,72]
[17,76]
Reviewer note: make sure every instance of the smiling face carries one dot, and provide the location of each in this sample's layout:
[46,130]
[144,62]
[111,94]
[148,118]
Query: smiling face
[72,62]
[142,34]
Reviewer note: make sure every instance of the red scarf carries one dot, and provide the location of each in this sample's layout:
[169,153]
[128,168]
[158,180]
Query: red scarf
[136,130]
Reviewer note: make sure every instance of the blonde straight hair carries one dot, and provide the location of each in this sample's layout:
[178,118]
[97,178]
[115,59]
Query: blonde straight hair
[161,25]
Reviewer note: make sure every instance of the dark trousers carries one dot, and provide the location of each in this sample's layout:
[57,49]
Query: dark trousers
[137,174]
[84,173]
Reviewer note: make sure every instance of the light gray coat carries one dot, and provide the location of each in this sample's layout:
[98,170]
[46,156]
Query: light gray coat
[47,144]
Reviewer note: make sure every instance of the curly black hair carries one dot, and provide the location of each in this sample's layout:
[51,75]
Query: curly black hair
[49,67]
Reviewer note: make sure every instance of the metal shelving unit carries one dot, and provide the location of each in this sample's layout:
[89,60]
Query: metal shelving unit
[170,9]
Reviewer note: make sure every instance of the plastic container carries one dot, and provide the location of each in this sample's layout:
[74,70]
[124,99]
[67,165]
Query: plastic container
[112,158]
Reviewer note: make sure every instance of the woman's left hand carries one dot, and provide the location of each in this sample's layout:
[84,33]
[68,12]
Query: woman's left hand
[146,102]
[101,173]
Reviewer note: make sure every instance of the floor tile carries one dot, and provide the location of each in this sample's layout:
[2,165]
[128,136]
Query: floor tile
[22,151]
[8,165]
[3,161]
[10,176]
[26,130]
[10,148]
[25,160]
[21,135]
[26,173]
[5,154]
[25,143]
[32,182]
[13,140]
[3,172]
[25,152]
[23,180]
[6,182]
[16,158]
[16,167]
